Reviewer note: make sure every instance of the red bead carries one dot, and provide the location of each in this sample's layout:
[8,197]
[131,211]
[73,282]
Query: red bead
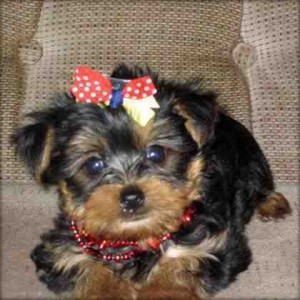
[108,257]
[118,258]
[105,257]
[166,236]
[126,256]
[77,236]
[187,218]
[153,243]
[131,253]
[123,243]
[81,244]
[103,245]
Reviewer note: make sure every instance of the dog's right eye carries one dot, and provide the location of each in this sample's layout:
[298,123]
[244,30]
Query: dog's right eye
[94,165]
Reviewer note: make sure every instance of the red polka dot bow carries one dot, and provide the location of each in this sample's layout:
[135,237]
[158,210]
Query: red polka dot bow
[94,87]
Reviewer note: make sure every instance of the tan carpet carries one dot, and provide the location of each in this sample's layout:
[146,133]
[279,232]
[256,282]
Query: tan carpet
[27,212]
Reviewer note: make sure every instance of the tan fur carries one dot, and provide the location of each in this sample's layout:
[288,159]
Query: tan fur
[68,205]
[164,206]
[85,140]
[100,283]
[201,251]
[275,206]
[68,257]
[168,290]
[194,171]
[85,144]
[143,134]
[102,210]
[193,130]
[175,271]
[172,278]
[46,155]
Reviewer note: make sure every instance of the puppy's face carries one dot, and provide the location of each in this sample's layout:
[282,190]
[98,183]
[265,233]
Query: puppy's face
[122,180]
[116,178]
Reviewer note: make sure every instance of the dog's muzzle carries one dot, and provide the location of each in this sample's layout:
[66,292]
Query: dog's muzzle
[131,198]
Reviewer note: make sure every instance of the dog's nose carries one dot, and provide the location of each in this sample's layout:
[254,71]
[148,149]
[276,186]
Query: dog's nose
[131,198]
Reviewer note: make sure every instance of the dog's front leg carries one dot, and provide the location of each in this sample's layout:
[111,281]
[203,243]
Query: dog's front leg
[99,282]
[58,281]
[171,280]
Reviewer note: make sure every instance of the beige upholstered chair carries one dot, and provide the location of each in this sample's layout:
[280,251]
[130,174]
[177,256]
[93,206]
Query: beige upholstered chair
[245,50]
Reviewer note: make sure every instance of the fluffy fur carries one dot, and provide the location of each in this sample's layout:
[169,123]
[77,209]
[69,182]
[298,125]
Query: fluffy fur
[211,160]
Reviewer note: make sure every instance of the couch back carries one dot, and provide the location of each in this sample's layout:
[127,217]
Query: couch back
[180,39]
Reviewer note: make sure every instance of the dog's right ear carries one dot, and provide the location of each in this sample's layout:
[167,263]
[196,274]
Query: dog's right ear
[34,144]
[200,111]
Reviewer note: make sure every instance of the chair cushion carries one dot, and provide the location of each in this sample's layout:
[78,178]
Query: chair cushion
[27,212]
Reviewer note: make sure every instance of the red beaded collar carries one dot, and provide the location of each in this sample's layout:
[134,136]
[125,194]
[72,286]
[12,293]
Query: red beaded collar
[120,250]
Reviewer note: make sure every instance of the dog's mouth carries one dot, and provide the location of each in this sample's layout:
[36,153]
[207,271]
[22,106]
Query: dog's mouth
[132,215]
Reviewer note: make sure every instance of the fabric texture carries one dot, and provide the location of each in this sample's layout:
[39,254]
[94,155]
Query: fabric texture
[43,41]
[273,273]
[18,20]
[180,39]
[271,28]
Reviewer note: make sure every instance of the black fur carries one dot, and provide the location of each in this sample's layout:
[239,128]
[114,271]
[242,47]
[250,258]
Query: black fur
[43,257]
[235,180]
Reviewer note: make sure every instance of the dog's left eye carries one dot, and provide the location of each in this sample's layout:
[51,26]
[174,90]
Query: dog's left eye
[155,153]
[94,165]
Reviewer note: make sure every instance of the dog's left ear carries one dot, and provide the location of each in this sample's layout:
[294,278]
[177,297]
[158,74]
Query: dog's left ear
[36,142]
[200,112]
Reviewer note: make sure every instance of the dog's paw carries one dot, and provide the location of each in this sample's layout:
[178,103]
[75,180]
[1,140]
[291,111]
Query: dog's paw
[43,259]
[57,281]
[275,206]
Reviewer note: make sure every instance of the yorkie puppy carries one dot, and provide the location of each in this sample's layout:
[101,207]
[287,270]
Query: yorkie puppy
[156,185]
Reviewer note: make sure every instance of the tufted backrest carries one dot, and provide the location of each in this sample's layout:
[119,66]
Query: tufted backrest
[180,39]
[271,29]
[45,40]
[18,21]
